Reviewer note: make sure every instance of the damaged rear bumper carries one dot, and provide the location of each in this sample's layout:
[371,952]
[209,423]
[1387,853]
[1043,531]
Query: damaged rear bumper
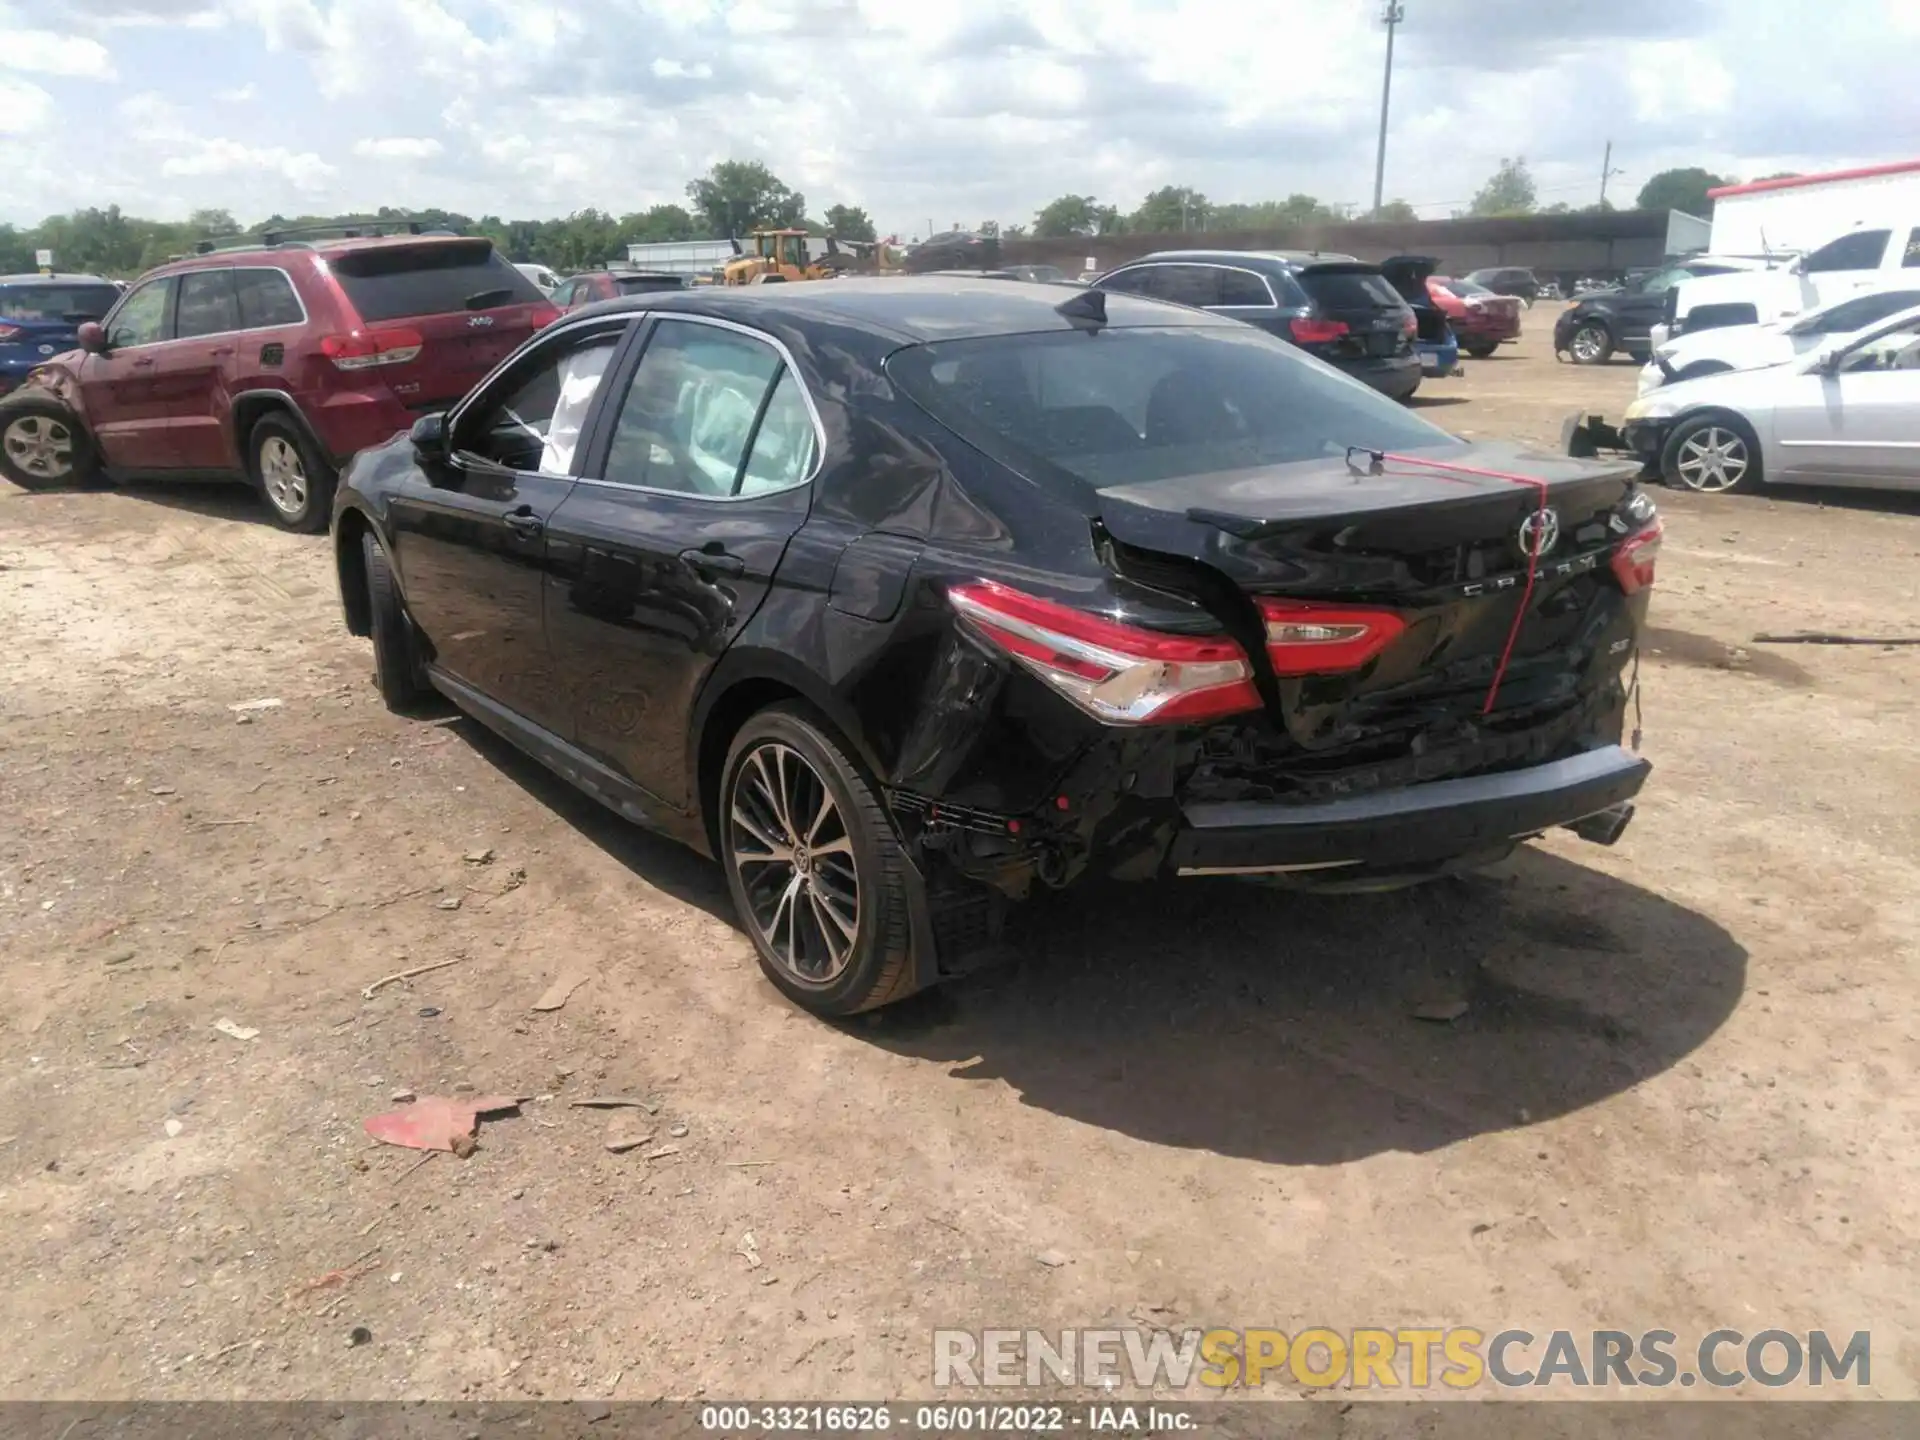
[1587,436]
[1417,825]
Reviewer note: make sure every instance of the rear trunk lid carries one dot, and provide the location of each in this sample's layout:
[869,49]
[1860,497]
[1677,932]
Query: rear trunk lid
[468,306]
[1359,297]
[1444,551]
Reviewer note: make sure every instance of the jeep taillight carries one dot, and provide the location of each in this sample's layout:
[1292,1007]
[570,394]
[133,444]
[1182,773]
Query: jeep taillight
[364,349]
[1119,674]
[1633,557]
[10,332]
[1308,638]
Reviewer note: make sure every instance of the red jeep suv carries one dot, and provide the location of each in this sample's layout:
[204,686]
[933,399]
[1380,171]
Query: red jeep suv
[271,362]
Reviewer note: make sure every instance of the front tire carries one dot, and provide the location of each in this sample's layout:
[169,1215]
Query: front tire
[397,670]
[816,872]
[1711,455]
[1591,344]
[294,478]
[43,445]
[1481,349]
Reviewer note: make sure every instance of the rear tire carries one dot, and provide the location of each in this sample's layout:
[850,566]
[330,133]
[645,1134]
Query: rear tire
[43,444]
[397,669]
[293,477]
[815,870]
[1591,344]
[1481,349]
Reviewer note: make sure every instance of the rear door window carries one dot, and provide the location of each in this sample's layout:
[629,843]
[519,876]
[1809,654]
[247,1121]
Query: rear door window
[266,299]
[208,305]
[396,282]
[691,417]
[1243,288]
[1350,289]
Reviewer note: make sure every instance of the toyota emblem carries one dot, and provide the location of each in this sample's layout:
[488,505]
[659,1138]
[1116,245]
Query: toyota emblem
[1540,531]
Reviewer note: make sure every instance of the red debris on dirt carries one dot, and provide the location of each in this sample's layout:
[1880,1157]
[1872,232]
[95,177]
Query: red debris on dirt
[437,1122]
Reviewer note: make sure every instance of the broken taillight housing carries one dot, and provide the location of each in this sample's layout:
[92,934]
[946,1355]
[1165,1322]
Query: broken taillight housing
[1119,674]
[1633,557]
[1305,638]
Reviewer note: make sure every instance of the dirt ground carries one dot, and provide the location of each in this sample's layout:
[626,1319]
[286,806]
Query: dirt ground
[1683,1094]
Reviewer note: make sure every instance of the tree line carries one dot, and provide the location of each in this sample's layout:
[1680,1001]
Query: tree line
[738,196]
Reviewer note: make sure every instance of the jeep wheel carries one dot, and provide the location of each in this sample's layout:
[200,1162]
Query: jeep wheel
[42,444]
[814,867]
[295,481]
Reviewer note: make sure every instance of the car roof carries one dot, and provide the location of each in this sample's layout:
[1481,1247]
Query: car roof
[34,277]
[1287,258]
[912,309]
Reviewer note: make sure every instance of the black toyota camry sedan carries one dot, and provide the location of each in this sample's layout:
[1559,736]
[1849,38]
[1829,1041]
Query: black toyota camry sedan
[901,596]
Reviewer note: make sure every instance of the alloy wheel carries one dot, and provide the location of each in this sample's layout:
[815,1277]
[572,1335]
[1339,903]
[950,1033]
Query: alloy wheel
[1589,343]
[40,445]
[793,852]
[283,476]
[1712,459]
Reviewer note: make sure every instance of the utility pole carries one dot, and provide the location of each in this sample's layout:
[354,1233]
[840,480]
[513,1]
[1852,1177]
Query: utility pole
[1607,172]
[1393,14]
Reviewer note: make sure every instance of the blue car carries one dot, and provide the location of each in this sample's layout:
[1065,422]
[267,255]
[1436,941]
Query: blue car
[40,316]
[1436,344]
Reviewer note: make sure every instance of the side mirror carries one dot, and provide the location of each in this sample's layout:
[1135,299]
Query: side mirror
[429,437]
[92,337]
[1826,360]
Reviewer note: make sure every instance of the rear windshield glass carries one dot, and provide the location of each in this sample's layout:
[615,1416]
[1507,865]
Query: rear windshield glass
[1131,405]
[642,284]
[1464,288]
[1349,289]
[387,284]
[56,302]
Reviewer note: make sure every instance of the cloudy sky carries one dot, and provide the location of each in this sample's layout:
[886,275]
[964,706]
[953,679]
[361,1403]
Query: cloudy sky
[920,112]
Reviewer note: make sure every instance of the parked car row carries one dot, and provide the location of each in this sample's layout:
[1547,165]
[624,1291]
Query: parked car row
[1387,324]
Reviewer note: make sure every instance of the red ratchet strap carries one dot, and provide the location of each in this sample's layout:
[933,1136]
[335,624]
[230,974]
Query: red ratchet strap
[1539,488]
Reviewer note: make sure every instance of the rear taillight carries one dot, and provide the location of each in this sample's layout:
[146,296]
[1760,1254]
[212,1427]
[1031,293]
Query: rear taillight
[1633,558]
[364,349]
[1119,674]
[1410,325]
[1308,331]
[10,332]
[1304,638]
[544,315]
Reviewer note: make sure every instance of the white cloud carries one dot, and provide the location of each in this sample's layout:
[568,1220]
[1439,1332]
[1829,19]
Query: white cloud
[45,52]
[24,108]
[304,170]
[938,113]
[399,147]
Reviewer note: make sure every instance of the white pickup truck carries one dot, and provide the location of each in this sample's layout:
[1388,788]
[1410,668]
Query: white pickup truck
[1869,257]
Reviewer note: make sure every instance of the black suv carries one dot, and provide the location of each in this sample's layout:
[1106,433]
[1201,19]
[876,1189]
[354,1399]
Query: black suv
[1601,322]
[1341,309]
[1514,280]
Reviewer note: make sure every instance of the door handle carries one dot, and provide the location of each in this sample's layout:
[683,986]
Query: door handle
[523,522]
[142,364]
[709,563]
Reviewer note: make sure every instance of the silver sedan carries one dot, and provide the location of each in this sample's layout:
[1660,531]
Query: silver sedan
[1846,414]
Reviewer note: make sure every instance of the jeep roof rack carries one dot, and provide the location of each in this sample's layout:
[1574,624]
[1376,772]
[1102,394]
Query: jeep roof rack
[301,236]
